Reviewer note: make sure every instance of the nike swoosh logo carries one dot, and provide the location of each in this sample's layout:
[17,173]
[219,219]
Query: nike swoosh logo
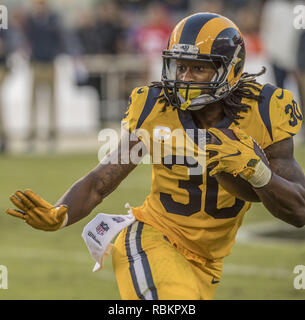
[140,91]
[232,155]
[214,281]
[281,96]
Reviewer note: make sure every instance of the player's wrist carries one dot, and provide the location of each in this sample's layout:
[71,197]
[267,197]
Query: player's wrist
[64,223]
[65,219]
[261,176]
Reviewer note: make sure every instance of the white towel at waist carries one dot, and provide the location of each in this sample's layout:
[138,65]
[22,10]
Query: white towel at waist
[101,230]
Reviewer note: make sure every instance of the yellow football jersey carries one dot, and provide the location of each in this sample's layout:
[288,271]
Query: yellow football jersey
[187,205]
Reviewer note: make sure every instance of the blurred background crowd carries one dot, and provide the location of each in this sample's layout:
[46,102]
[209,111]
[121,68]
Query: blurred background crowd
[67,67]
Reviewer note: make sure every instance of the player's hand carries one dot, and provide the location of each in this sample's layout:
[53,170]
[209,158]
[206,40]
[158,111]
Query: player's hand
[233,156]
[37,212]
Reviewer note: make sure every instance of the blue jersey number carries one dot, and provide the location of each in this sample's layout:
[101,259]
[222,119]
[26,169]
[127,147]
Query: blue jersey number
[294,112]
[195,193]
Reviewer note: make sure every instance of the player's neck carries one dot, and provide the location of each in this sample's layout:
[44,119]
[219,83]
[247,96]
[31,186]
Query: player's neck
[208,116]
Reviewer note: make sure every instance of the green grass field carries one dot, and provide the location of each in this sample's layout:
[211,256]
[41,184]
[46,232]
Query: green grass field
[58,265]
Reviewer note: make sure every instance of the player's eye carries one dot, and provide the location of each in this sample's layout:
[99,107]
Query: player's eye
[181,68]
[199,68]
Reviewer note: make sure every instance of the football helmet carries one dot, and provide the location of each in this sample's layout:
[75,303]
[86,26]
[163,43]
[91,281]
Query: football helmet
[209,38]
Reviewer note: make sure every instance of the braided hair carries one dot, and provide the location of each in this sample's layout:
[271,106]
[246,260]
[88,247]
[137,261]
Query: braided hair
[232,105]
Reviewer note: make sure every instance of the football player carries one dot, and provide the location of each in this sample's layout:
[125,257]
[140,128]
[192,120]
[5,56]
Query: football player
[188,222]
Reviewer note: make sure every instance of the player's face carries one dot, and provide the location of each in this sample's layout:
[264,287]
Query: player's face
[195,71]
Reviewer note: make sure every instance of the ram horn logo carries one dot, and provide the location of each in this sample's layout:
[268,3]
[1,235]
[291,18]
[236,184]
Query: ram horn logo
[185,47]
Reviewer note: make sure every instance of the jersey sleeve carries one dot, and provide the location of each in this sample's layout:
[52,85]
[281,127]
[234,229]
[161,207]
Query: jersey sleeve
[280,114]
[136,103]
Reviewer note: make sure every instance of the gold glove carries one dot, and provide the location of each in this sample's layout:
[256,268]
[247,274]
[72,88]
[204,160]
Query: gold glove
[37,212]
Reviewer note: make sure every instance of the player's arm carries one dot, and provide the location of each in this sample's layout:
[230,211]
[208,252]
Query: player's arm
[89,191]
[284,195]
[280,186]
[80,199]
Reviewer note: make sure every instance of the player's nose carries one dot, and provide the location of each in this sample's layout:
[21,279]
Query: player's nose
[187,75]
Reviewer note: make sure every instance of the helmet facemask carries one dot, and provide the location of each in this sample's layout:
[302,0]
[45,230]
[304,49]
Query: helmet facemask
[189,94]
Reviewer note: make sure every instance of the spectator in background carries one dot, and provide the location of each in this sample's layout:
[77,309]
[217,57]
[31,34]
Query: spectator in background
[44,35]
[108,28]
[86,33]
[11,41]
[280,38]
[247,17]
[86,40]
[4,50]
[152,37]
[97,35]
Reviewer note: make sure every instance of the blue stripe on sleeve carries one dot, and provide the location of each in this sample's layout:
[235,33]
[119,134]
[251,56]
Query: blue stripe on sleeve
[153,94]
[264,106]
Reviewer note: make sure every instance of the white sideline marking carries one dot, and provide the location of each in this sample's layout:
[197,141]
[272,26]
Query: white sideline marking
[249,234]
[81,257]
[54,255]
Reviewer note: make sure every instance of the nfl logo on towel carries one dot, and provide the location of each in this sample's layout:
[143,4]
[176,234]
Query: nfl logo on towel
[102,228]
